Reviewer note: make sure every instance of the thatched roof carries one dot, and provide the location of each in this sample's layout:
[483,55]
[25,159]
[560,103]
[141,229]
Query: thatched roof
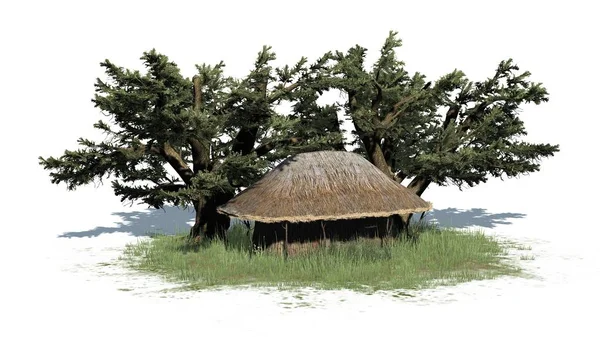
[324,185]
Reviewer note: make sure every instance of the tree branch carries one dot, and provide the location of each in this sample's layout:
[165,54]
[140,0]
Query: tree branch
[278,94]
[400,176]
[200,152]
[265,148]
[377,100]
[140,150]
[175,160]
[170,187]
[244,140]
[197,93]
[451,114]
[392,116]
[352,103]
[466,124]
[419,184]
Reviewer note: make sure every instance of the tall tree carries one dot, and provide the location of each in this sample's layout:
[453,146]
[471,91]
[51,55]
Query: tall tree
[454,131]
[215,133]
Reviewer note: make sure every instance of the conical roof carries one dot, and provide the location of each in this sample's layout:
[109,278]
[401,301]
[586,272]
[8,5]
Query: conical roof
[323,185]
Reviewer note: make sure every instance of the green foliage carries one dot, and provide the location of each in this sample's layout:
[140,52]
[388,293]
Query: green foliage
[484,137]
[454,131]
[219,134]
[218,137]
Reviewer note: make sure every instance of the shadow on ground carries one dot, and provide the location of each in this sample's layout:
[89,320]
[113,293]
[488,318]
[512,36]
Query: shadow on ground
[171,220]
[460,218]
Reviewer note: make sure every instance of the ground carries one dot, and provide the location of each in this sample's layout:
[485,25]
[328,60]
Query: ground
[73,265]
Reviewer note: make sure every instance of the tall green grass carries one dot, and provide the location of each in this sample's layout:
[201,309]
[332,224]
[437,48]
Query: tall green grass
[431,257]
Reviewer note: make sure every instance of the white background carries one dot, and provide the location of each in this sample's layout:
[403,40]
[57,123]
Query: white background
[53,242]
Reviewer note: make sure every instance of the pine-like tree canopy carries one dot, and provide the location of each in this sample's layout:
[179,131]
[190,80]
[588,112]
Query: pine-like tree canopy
[452,131]
[219,133]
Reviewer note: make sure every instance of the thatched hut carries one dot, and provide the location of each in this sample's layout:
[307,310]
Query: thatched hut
[321,195]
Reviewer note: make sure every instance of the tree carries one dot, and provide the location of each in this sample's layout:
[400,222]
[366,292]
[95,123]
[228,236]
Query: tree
[215,133]
[220,134]
[454,131]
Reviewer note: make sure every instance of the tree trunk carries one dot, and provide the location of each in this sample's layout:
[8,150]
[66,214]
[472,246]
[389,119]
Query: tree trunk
[418,185]
[209,223]
[400,224]
[376,156]
[197,230]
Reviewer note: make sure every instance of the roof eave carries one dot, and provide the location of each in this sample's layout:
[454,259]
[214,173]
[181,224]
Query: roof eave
[310,218]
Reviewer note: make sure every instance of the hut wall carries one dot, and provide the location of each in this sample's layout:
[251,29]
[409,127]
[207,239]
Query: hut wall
[266,234]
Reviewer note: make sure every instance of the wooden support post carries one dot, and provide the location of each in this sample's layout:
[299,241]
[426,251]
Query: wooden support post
[381,235]
[388,231]
[249,238]
[388,228]
[285,242]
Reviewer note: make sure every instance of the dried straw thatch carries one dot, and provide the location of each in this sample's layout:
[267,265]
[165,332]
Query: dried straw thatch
[324,185]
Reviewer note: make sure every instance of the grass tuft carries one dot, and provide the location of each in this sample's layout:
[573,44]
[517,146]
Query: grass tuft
[432,257]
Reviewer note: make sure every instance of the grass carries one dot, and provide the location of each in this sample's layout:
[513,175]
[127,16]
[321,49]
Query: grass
[434,257]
